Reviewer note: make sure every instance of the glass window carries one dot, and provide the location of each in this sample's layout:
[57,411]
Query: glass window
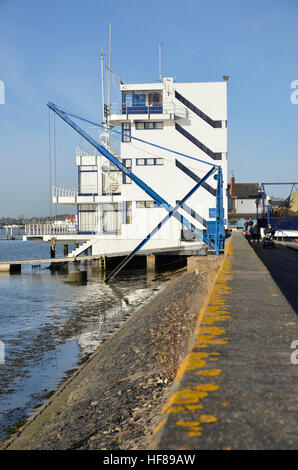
[127,212]
[139,99]
[126,179]
[150,204]
[126,129]
[127,162]
[141,161]
[159,161]
[149,161]
[154,98]
[149,125]
[140,204]
[158,125]
[127,98]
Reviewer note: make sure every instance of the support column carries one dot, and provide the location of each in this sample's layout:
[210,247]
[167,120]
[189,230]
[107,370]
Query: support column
[78,276]
[65,251]
[53,255]
[151,263]
[96,263]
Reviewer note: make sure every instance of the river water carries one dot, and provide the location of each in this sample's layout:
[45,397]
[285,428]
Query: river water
[48,325]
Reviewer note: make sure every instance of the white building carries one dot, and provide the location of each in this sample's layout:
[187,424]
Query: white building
[114,214]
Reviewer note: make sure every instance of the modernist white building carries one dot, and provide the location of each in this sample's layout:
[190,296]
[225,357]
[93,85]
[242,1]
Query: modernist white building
[114,214]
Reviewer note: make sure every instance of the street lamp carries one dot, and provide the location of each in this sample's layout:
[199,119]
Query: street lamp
[257,206]
[268,198]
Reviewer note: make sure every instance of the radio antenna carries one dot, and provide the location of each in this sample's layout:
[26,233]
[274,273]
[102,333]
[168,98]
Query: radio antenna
[160,69]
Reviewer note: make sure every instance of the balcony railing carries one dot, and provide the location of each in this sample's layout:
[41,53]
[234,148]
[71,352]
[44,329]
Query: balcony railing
[60,191]
[50,229]
[118,108]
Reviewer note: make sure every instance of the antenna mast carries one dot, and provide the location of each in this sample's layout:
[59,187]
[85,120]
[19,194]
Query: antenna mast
[109,84]
[102,87]
[160,70]
[110,48]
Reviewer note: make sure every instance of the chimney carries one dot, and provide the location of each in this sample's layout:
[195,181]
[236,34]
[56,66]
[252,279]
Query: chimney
[233,193]
[232,186]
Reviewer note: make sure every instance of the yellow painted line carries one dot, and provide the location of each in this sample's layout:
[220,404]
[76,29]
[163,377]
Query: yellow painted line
[207,334]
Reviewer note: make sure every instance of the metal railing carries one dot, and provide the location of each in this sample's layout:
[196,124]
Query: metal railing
[61,191]
[120,108]
[50,229]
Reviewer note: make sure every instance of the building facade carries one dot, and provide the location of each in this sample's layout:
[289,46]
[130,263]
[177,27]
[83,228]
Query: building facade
[114,214]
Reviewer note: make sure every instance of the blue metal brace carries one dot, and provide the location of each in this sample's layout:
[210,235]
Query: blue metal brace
[158,227]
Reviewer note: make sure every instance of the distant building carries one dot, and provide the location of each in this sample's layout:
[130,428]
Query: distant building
[243,200]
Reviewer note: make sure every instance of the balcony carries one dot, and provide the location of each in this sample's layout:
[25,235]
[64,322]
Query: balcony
[152,109]
[121,113]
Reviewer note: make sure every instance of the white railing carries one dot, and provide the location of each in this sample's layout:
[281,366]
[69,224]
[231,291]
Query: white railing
[61,191]
[50,229]
[119,108]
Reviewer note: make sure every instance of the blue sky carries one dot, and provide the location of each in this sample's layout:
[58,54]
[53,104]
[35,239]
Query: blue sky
[49,51]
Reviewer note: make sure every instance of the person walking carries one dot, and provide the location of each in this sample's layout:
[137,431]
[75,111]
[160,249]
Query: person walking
[254,233]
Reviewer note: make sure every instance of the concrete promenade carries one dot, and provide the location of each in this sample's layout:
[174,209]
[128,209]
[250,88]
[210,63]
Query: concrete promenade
[237,387]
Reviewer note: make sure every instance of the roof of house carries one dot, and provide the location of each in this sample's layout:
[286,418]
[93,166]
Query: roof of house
[247,190]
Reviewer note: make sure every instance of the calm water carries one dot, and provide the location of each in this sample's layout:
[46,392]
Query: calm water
[49,325]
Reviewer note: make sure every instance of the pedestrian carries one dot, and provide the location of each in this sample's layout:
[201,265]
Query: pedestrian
[254,233]
[246,224]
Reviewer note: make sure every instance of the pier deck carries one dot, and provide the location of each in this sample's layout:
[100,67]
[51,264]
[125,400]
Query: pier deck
[169,250]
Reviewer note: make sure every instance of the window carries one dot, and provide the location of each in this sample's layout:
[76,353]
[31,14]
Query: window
[127,212]
[88,183]
[127,98]
[139,99]
[149,161]
[158,125]
[126,129]
[154,98]
[126,179]
[146,204]
[141,125]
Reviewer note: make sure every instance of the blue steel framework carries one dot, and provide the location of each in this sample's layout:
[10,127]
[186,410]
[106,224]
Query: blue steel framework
[214,239]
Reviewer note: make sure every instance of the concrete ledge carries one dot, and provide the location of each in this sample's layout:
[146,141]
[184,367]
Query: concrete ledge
[10,268]
[203,264]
